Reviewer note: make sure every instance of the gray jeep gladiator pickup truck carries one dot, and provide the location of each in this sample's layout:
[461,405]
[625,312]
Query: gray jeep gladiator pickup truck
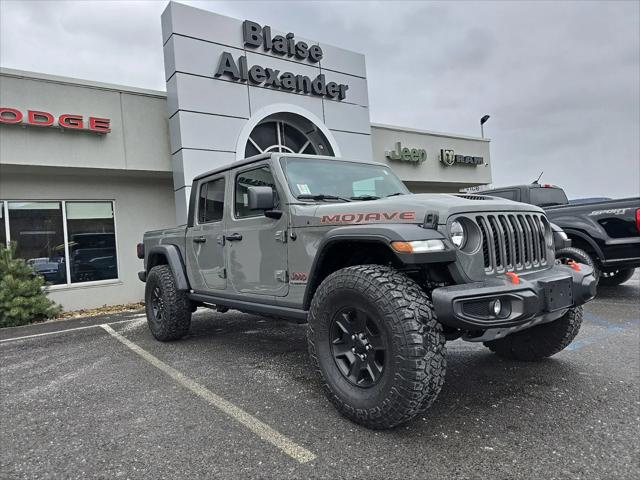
[382,276]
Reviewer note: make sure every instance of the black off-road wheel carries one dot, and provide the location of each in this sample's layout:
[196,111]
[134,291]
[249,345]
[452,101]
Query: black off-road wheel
[541,341]
[565,255]
[612,278]
[168,309]
[376,345]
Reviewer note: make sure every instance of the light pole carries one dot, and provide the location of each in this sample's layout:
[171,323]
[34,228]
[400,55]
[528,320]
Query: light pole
[483,120]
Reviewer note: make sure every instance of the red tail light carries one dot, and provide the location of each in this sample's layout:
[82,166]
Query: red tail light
[638,220]
[140,250]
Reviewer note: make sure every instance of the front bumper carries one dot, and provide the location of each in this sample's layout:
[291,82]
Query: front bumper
[539,297]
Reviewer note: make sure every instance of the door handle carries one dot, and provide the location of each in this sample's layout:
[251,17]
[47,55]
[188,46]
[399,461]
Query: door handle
[200,239]
[234,237]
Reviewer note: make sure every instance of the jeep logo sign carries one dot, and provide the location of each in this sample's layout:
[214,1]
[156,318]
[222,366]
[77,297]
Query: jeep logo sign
[404,154]
[255,36]
[449,158]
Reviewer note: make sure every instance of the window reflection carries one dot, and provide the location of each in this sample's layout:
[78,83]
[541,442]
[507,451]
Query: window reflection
[92,241]
[36,228]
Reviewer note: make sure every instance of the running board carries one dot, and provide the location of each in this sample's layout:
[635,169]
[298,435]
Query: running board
[288,313]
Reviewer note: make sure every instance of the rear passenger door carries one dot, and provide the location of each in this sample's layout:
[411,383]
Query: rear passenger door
[205,240]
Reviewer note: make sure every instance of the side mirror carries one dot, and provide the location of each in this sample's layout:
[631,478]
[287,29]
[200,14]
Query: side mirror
[260,198]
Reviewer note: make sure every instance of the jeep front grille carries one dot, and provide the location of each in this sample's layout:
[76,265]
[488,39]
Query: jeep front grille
[513,241]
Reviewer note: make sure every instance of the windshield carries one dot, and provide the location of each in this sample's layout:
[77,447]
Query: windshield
[345,180]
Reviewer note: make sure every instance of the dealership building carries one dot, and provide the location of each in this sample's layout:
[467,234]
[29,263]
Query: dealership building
[87,167]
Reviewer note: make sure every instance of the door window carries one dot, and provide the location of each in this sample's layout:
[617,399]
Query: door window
[258,177]
[211,201]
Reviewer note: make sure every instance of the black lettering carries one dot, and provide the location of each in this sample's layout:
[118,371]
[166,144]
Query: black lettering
[315,53]
[302,50]
[343,92]
[318,85]
[251,33]
[332,89]
[303,83]
[288,81]
[242,62]
[257,74]
[291,44]
[266,33]
[280,44]
[272,78]
[227,66]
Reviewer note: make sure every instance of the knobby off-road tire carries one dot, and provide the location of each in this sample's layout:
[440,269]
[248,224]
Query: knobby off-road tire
[579,256]
[399,318]
[168,309]
[616,277]
[541,341]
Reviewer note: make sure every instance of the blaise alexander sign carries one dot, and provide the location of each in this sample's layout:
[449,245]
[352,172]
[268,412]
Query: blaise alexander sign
[255,36]
[413,155]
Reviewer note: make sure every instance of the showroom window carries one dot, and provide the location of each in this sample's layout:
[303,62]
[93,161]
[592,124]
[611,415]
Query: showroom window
[67,242]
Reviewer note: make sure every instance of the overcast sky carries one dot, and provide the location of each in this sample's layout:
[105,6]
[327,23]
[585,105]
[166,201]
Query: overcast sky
[561,81]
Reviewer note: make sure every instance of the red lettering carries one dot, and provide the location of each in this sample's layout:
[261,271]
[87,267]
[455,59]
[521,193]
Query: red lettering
[372,216]
[15,116]
[41,119]
[330,219]
[348,217]
[389,216]
[408,216]
[68,120]
[100,125]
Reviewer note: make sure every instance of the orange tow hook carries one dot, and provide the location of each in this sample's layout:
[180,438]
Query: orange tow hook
[574,265]
[513,277]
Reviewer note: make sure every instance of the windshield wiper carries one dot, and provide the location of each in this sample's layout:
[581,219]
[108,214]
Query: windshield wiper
[365,197]
[395,194]
[320,196]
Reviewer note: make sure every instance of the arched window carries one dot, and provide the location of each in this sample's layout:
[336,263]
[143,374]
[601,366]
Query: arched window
[287,133]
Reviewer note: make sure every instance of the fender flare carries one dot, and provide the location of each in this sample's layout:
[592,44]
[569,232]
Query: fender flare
[382,234]
[174,259]
[583,236]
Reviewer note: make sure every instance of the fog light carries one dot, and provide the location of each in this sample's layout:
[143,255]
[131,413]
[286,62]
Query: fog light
[496,307]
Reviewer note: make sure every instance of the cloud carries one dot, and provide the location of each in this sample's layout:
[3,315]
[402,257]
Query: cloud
[559,79]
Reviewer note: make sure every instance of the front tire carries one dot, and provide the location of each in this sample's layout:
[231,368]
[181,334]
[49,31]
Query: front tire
[376,344]
[168,309]
[541,341]
[565,255]
[614,278]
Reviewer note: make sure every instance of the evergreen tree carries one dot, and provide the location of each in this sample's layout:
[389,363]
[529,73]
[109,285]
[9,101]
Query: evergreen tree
[22,299]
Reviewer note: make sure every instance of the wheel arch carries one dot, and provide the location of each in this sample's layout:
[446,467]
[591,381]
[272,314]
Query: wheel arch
[368,244]
[168,255]
[584,242]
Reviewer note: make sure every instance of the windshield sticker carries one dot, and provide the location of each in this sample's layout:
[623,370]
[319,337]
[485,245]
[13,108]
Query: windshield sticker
[303,188]
[367,217]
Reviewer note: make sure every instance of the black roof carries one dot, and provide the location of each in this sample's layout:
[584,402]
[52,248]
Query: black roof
[262,156]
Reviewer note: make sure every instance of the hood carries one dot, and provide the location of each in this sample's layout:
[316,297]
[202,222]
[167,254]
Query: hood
[410,208]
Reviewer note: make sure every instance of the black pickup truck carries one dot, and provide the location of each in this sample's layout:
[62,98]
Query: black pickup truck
[607,231]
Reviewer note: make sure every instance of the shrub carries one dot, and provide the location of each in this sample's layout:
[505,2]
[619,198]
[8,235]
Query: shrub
[22,299]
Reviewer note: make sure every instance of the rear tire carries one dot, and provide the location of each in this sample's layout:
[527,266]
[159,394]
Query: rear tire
[168,309]
[616,277]
[376,314]
[541,341]
[578,256]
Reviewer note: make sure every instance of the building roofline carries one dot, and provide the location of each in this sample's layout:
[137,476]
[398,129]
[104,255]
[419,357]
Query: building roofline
[427,132]
[10,72]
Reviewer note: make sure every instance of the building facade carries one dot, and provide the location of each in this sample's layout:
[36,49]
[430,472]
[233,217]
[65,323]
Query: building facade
[87,167]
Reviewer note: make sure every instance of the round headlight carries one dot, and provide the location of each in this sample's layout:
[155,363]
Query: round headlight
[457,234]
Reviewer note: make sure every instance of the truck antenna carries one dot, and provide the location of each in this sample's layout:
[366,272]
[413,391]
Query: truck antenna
[535,182]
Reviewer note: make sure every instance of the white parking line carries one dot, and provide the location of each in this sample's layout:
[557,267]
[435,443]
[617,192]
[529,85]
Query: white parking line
[64,331]
[264,431]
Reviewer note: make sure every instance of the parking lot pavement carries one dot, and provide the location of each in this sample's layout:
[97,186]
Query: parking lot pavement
[82,403]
